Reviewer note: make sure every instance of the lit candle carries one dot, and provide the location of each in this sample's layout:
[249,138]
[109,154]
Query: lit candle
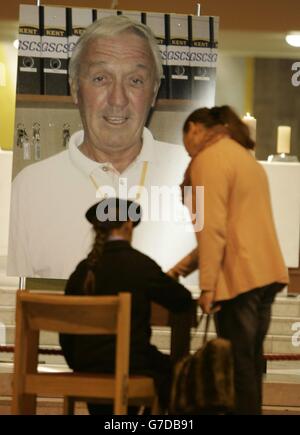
[283,139]
[250,121]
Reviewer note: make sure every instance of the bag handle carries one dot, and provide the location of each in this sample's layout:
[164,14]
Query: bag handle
[207,323]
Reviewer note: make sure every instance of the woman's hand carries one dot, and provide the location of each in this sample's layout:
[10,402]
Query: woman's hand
[185,266]
[173,273]
[206,302]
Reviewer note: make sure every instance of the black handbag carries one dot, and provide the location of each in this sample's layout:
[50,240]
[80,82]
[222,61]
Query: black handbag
[203,382]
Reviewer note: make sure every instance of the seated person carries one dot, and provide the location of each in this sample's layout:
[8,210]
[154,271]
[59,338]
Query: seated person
[113,266]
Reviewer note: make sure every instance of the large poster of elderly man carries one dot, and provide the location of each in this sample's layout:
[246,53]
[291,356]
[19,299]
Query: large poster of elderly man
[68,158]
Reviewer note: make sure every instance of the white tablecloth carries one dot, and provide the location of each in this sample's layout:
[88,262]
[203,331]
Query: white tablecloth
[284,179]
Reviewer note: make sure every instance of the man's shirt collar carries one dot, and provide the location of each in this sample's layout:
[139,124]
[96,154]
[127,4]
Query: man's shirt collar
[88,166]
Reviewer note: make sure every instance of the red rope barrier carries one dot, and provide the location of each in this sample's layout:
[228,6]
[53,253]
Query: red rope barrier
[267,357]
[42,351]
[282,357]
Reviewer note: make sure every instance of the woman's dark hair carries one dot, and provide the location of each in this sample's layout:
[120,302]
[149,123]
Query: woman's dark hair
[105,216]
[222,115]
[102,233]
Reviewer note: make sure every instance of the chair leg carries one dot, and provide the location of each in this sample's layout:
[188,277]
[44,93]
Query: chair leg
[23,404]
[69,405]
[155,408]
[30,404]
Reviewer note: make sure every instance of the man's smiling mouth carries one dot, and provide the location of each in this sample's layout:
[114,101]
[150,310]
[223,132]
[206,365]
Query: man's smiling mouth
[116,120]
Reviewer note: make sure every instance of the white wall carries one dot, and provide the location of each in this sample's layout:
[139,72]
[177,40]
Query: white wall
[231,82]
[5,187]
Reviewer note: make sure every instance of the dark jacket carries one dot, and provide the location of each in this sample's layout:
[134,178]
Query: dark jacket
[124,269]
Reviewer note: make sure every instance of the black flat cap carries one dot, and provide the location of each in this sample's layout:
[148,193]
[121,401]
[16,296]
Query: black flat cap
[110,211]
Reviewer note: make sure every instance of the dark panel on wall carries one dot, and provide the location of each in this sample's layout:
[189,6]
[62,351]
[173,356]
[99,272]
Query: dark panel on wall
[276,102]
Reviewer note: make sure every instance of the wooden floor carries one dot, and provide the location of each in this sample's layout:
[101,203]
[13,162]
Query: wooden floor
[54,407]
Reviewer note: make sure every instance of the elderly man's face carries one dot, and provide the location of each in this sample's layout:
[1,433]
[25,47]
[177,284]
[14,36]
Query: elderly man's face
[116,91]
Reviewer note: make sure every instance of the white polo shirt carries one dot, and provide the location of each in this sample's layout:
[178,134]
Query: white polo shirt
[49,233]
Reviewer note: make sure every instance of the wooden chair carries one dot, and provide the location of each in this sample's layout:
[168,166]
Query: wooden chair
[74,315]
[180,324]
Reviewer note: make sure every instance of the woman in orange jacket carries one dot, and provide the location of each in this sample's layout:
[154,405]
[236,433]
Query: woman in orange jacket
[238,255]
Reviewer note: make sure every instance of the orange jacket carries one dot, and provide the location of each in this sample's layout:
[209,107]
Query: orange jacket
[238,249]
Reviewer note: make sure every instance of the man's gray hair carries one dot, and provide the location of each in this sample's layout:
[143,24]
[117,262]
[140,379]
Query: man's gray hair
[111,26]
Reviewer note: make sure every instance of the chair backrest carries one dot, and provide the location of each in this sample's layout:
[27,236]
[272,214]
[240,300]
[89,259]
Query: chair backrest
[74,315]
